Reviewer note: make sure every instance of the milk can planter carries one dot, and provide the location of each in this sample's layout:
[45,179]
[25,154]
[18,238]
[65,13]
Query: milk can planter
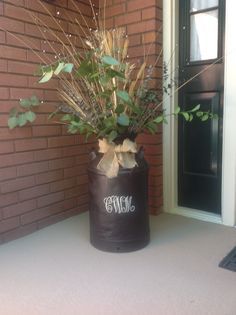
[118,207]
[103,94]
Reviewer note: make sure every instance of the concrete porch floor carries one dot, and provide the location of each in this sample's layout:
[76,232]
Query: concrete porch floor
[55,271]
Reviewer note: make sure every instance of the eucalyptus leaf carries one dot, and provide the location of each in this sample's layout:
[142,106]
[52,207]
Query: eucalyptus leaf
[30,116]
[68,67]
[159,119]
[177,110]
[12,122]
[199,114]
[124,96]
[123,120]
[25,103]
[152,127]
[46,77]
[196,108]
[22,120]
[34,101]
[66,117]
[108,60]
[59,68]
[205,117]
[185,115]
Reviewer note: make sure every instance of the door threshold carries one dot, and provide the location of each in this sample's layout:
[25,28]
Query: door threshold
[197,214]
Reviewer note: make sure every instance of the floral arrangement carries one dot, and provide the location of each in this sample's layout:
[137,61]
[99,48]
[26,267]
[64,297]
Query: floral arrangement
[101,92]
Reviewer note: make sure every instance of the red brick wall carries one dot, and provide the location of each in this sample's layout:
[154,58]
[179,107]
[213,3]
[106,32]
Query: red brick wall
[143,20]
[42,169]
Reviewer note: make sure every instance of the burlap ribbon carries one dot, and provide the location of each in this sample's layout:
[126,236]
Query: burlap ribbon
[116,155]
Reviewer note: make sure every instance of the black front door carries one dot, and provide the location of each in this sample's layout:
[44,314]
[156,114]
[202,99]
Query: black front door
[200,143]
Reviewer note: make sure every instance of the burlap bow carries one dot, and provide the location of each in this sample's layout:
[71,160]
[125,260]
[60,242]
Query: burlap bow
[116,155]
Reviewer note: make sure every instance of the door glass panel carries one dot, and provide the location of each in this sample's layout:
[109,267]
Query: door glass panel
[204,36]
[197,5]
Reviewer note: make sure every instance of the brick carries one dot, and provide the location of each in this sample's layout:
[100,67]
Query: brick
[49,177]
[45,212]
[3,65]
[82,179]
[7,134]
[7,173]
[34,168]
[47,154]
[9,224]
[43,131]
[18,208]
[149,37]
[74,150]
[2,37]
[134,40]
[18,93]
[119,1]
[6,105]
[149,139]
[39,6]
[61,141]
[59,216]
[16,2]
[139,4]
[14,53]
[52,23]
[13,80]
[16,159]
[51,96]
[23,41]
[76,191]
[3,120]
[21,67]
[33,192]
[1,8]
[17,13]
[61,163]
[30,144]
[156,170]
[149,13]
[155,181]
[4,93]
[128,18]
[115,10]
[40,32]
[82,159]
[8,199]
[153,149]
[83,199]
[138,51]
[7,24]
[74,171]
[50,199]
[19,232]
[63,184]
[155,191]
[141,27]
[81,8]
[17,184]
[6,147]
[154,159]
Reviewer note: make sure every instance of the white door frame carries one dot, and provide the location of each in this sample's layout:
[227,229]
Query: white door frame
[170,45]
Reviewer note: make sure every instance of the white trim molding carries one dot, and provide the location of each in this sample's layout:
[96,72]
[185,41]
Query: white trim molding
[170,42]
